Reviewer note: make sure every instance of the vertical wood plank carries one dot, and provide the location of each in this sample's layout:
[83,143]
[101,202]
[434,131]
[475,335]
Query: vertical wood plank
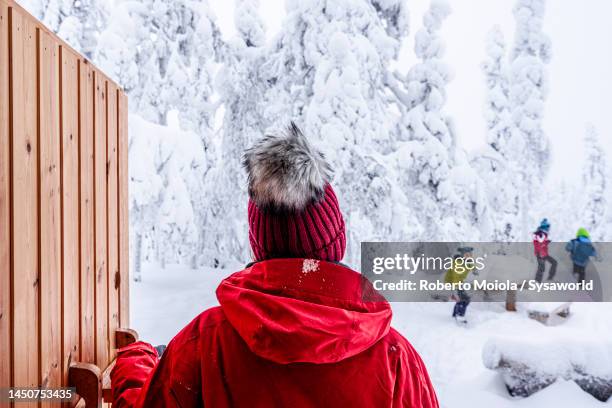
[124,245]
[70,207]
[25,251]
[112,201]
[5,216]
[50,213]
[86,210]
[101,269]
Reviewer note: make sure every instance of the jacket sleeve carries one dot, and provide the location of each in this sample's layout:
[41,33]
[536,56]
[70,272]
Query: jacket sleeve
[140,379]
[132,369]
[413,386]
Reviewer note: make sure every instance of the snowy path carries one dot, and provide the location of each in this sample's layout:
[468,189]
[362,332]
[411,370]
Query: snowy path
[167,300]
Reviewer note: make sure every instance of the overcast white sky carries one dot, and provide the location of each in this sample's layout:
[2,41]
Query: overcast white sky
[580,70]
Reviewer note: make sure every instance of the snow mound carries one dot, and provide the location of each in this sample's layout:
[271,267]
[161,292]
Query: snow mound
[560,394]
[567,358]
[546,307]
[530,366]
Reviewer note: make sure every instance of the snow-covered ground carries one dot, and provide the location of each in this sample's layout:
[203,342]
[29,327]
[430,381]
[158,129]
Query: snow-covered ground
[168,299]
[454,354]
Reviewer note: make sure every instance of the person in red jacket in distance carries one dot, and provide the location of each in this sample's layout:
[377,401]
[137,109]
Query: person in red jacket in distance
[540,248]
[293,328]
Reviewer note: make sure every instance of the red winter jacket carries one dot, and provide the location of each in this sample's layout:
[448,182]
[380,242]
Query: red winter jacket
[288,333]
[540,244]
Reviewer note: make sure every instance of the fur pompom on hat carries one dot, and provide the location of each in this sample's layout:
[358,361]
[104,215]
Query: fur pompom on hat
[293,210]
[286,172]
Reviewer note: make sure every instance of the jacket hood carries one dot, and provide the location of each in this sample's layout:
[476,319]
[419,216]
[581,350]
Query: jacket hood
[304,310]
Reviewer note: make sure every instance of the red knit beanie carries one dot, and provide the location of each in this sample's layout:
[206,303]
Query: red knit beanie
[293,210]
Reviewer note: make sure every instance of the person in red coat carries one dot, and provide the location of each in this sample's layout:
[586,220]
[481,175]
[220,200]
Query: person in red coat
[295,328]
[540,248]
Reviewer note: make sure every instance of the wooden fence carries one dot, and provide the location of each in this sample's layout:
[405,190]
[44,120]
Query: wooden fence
[63,206]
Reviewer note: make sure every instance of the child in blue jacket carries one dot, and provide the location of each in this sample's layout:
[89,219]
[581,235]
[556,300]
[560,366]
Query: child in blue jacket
[581,249]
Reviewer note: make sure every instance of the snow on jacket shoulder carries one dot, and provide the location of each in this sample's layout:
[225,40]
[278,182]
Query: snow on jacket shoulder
[288,333]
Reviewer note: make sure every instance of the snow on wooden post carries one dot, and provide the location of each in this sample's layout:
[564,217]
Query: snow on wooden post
[511,301]
[63,207]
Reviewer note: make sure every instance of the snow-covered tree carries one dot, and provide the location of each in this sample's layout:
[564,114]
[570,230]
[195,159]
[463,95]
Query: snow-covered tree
[145,186]
[528,90]
[301,77]
[448,195]
[560,202]
[194,45]
[163,53]
[502,194]
[399,173]
[607,233]
[249,23]
[497,104]
[496,162]
[514,162]
[422,100]
[78,22]
[395,16]
[339,53]
[115,54]
[303,46]
[338,115]
[594,182]
[241,91]
[166,192]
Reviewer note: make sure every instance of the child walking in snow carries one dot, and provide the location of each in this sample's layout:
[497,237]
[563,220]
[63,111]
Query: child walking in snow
[540,247]
[458,273]
[581,249]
